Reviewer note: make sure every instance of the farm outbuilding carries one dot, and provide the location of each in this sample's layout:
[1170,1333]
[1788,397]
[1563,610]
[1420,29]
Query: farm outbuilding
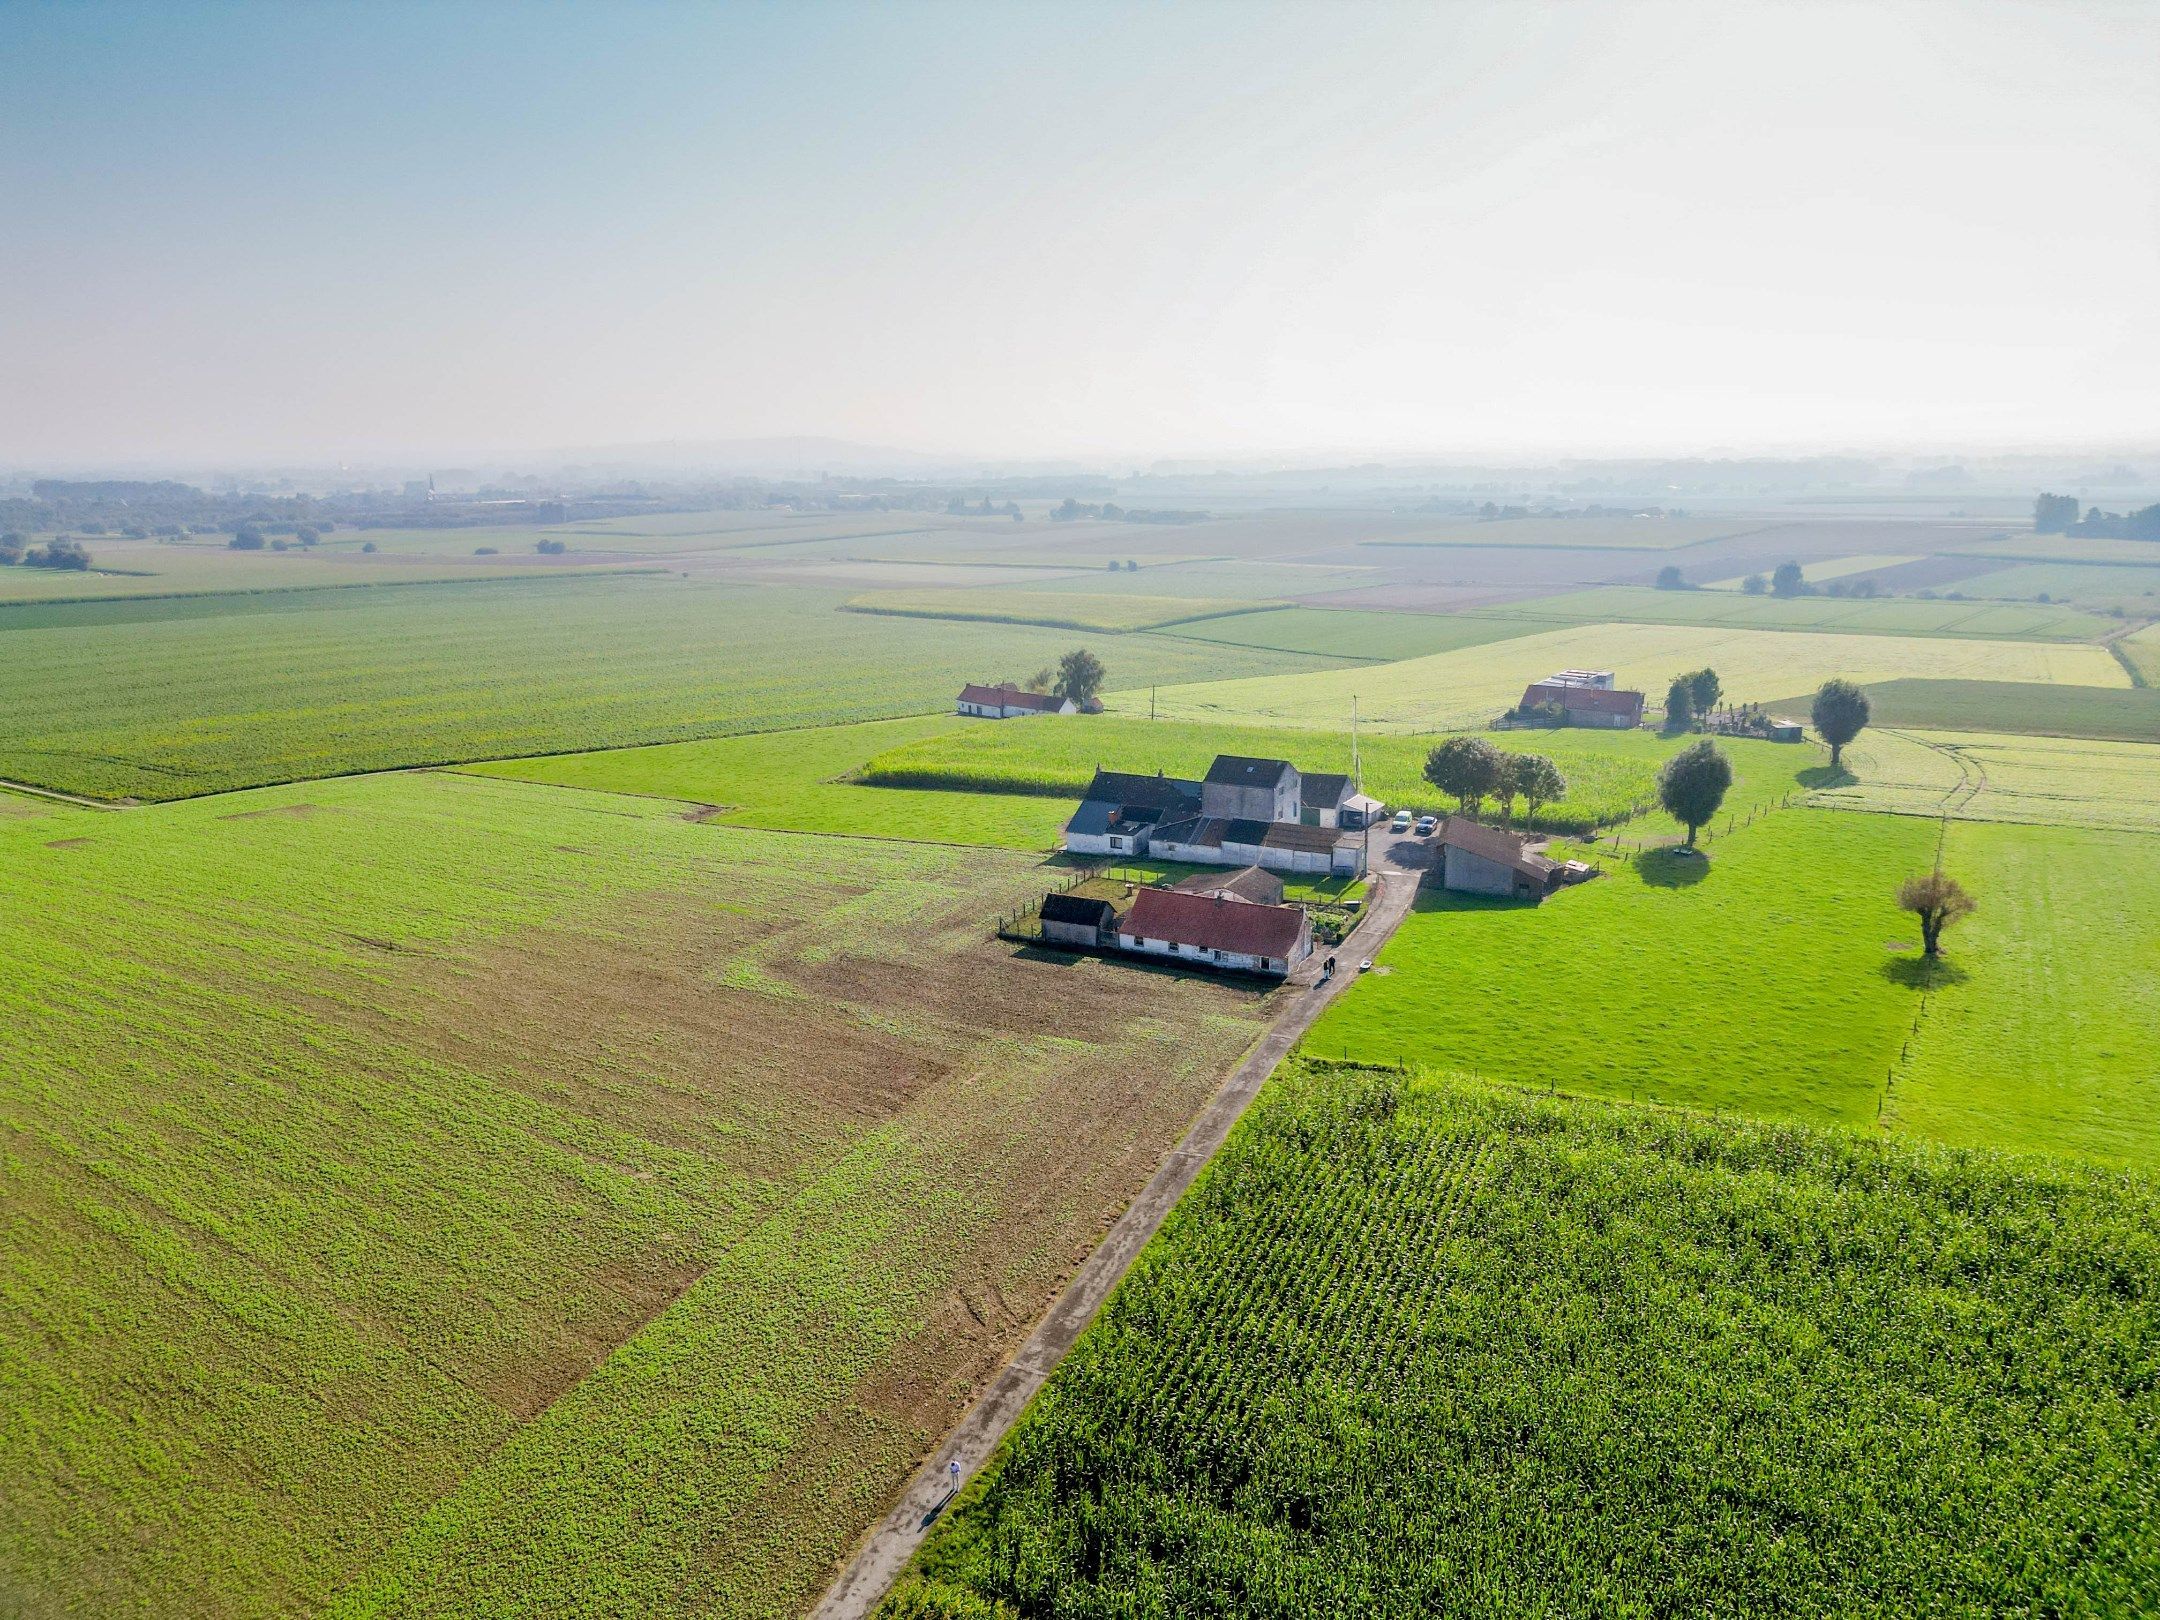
[1477,859]
[1009,703]
[1071,919]
[1216,931]
[1599,707]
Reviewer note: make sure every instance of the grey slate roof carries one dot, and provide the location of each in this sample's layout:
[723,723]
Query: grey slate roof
[1322,790]
[1073,908]
[1236,770]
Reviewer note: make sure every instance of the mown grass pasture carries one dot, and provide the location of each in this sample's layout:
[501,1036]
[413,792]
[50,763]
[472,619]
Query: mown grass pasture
[209,698]
[1354,633]
[2041,1027]
[1471,685]
[2101,587]
[2141,650]
[1610,775]
[1777,978]
[1973,776]
[1070,611]
[1414,1348]
[799,781]
[437,1195]
[1846,615]
[1759,978]
[2124,714]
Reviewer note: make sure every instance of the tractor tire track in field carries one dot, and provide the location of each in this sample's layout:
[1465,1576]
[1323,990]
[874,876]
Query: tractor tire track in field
[858,1589]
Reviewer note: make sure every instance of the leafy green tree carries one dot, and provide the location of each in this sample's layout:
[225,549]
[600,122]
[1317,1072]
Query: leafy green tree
[1938,900]
[1693,784]
[2054,513]
[12,547]
[1539,782]
[1841,711]
[246,539]
[1704,689]
[1788,580]
[1079,677]
[1467,767]
[1680,704]
[1754,584]
[1668,578]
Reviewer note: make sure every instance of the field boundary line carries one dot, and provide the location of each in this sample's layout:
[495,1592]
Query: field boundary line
[881,1557]
[129,598]
[35,792]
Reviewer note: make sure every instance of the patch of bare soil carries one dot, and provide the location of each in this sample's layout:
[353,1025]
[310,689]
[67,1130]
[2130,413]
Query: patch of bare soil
[301,811]
[66,843]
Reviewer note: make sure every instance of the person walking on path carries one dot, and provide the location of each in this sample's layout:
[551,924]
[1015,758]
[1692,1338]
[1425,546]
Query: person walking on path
[952,1473]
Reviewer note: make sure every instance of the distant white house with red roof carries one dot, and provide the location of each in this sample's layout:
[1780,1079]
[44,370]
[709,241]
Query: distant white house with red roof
[1010,702]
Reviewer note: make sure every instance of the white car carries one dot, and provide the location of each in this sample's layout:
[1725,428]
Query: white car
[1365,966]
[1401,823]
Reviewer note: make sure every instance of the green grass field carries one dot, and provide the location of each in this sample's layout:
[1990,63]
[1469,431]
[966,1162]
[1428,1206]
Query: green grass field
[1470,686]
[2053,781]
[791,781]
[1753,980]
[231,693]
[1880,616]
[1609,774]
[1412,1349]
[2098,586]
[2042,1030]
[1573,534]
[1073,611]
[436,1195]
[2050,548]
[1777,978]
[204,565]
[1354,633]
[1831,568]
[2123,714]
[2142,649]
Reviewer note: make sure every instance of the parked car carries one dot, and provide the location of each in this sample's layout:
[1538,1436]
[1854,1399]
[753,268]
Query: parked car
[1425,825]
[1365,966]
[1401,823]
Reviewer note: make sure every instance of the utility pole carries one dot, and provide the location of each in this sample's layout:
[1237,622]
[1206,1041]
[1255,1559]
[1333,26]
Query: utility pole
[1151,703]
[1357,786]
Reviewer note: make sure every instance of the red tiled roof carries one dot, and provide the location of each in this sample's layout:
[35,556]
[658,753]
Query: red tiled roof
[1590,699]
[1008,697]
[1211,924]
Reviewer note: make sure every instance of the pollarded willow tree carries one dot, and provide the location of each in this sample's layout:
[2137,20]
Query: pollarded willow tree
[1938,900]
[1841,710]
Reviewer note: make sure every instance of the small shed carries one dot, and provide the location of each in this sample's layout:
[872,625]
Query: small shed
[1071,919]
[1477,859]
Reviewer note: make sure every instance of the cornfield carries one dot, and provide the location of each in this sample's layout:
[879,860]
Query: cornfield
[1414,1348]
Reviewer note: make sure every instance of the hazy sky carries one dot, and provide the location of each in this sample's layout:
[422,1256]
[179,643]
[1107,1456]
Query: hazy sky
[309,231]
